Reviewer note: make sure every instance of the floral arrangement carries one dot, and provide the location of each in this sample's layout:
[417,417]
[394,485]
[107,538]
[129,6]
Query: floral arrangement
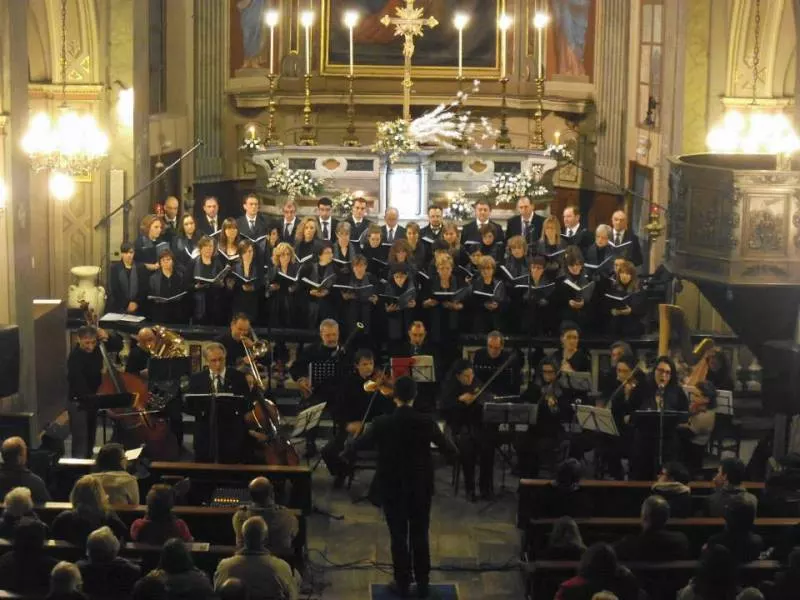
[459,208]
[446,126]
[559,152]
[507,188]
[294,182]
[343,204]
[252,144]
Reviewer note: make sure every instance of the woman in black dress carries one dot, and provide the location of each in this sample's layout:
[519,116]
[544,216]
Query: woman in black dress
[444,302]
[576,301]
[207,284]
[167,292]
[419,251]
[228,244]
[398,308]
[184,245]
[307,240]
[552,246]
[249,281]
[317,279]
[376,252]
[489,298]
[282,284]
[344,251]
[358,299]
[625,303]
[146,246]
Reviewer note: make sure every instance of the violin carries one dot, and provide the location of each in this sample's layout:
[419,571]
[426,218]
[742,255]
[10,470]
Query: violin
[380,382]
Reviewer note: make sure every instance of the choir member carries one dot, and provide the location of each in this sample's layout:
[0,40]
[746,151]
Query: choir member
[167,291]
[576,291]
[317,279]
[539,300]
[376,253]
[288,226]
[433,230]
[358,221]
[391,231]
[490,245]
[253,225]
[228,244]
[452,237]
[127,283]
[444,301]
[148,245]
[462,409]
[489,359]
[248,276]
[625,241]
[574,234]
[488,299]
[184,244]
[418,250]
[551,246]
[172,207]
[398,301]
[209,222]
[207,282]
[326,224]
[344,251]
[526,224]
[358,295]
[471,233]
[307,242]
[283,282]
[599,255]
[625,303]
[515,273]
[400,253]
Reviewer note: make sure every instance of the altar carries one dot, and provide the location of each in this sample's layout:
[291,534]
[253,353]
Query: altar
[413,181]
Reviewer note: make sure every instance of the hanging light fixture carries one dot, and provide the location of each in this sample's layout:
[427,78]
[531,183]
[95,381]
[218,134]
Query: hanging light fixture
[72,145]
[754,131]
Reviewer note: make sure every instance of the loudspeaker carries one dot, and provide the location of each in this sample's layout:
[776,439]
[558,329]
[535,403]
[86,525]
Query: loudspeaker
[780,377]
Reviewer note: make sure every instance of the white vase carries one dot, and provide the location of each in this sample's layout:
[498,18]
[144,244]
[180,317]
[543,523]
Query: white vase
[87,294]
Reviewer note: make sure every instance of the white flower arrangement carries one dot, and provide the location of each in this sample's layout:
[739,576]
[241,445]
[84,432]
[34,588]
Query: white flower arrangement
[559,152]
[459,208]
[294,182]
[343,204]
[507,188]
[252,144]
[394,139]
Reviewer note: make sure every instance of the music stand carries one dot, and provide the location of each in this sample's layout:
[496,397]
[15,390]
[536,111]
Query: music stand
[205,405]
[509,414]
[592,418]
[577,381]
[322,371]
[100,404]
[307,420]
[420,368]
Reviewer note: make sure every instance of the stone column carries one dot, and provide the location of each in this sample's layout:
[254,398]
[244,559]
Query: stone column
[211,72]
[141,109]
[611,81]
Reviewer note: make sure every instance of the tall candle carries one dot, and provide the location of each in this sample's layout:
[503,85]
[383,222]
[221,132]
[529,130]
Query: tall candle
[504,23]
[351,52]
[460,21]
[307,20]
[272,21]
[540,21]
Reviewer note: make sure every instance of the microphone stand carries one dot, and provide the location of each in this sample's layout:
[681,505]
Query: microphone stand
[660,393]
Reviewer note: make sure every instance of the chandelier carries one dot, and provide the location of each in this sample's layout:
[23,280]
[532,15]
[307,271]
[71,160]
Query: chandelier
[754,131]
[72,144]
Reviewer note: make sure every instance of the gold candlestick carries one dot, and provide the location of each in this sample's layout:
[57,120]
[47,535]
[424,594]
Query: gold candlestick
[350,139]
[308,137]
[503,141]
[537,137]
[271,139]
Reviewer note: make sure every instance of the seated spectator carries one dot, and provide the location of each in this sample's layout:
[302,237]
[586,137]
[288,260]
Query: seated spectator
[111,469]
[750,593]
[728,481]
[26,569]
[90,511]
[672,486]
[65,583]
[159,523]
[15,473]
[787,584]
[738,537]
[266,576]
[282,525]
[18,504]
[104,573]
[233,589]
[184,581]
[599,572]
[654,543]
[565,542]
[150,587]
[565,497]
[715,578]
[696,432]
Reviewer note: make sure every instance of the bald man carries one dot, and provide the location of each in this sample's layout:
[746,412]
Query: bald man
[139,356]
[14,471]
[621,234]
[283,525]
[391,231]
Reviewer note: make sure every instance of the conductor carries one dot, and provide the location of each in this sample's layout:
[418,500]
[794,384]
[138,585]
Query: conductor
[404,481]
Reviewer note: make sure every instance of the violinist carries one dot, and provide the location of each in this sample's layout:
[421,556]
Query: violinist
[623,400]
[571,356]
[352,407]
[84,376]
[462,409]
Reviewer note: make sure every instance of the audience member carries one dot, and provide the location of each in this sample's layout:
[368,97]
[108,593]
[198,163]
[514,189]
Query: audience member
[104,572]
[598,572]
[750,593]
[672,486]
[266,576]
[565,542]
[654,543]
[152,586]
[728,481]
[26,569]
[738,537]
[282,525]
[15,473]
[18,504]
[715,578]
[65,583]
[787,583]
[111,469]
[233,589]
[183,580]
[159,523]
[565,497]
[90,511]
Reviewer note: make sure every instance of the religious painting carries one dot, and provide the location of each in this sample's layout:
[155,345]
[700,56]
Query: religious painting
[378,52]
[570,39]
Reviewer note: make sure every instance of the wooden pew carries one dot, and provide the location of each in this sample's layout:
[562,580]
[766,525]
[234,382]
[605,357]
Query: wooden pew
[615,498]
[660,580]
[611,529]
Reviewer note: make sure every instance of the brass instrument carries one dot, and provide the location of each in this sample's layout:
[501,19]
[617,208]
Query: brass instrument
[168,344]
[259,348]
[250,356]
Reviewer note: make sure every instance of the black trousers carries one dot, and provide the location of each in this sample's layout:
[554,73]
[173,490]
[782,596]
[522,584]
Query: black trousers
[408,519]
[330,453]
[476,448]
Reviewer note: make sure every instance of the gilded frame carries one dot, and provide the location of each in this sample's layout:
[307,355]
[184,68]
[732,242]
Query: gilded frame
[418,72]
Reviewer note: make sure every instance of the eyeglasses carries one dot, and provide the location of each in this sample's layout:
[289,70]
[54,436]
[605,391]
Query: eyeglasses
[661,371]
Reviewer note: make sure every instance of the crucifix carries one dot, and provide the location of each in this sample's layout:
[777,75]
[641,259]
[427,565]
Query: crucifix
[408,23]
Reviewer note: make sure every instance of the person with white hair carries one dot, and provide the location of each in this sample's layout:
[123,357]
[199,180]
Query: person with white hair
[266,576]
[18,504]
[66,582]
[104,572]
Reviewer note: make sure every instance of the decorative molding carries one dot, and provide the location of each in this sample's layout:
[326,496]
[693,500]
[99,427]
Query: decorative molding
[695,73]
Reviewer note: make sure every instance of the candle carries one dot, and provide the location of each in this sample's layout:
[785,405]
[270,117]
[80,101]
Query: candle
[540,21]
[251,132]
[460,21]
[557,137]
[350,20]
[504,23]
[307,20]
[272,21]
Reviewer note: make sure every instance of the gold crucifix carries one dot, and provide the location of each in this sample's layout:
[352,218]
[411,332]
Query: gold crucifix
[409,23]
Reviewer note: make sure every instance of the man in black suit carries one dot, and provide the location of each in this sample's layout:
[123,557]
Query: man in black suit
[127,283]
[391,231]
[621,235]
[252,224]
[218,378]
[488,360]
[172,222]
[654,543]
[574,234]
[232,340]
[472,230]
[527,223]
[404,481]
[209,222]
[433,230]
[327,224]
[289,223]
[358,220]
[417,345]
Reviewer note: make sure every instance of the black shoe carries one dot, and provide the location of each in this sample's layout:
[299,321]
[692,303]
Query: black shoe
[422,590]
[398,590]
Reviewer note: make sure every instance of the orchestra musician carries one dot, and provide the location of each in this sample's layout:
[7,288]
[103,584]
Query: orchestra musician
[139,355]
[462,409]
[84,376]
[417,345]
[696,432]
[234,340]
[218,378]
[353,406]
[571,356]
[493,356]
